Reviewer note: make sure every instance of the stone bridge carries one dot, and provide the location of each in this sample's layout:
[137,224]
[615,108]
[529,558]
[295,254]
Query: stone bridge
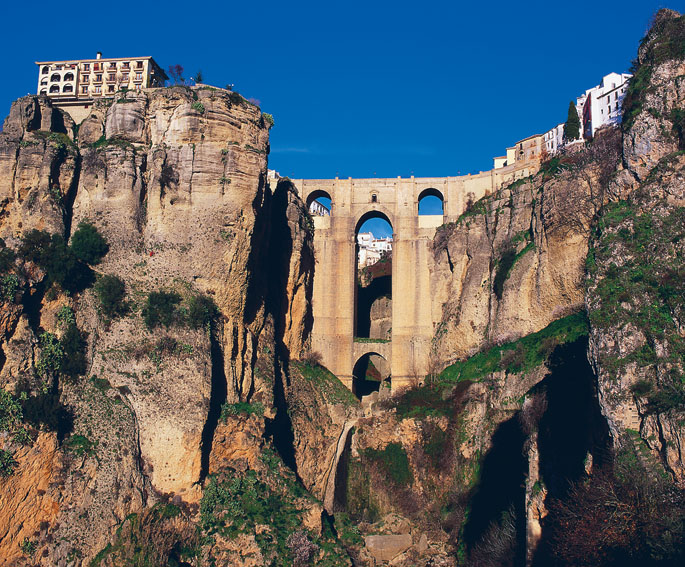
[414,316]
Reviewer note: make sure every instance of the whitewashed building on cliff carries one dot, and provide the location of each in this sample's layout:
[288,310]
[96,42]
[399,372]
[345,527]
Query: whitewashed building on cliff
[372,249]
[602,105]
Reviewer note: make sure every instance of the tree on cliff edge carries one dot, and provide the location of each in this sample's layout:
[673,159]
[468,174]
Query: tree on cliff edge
[572,126]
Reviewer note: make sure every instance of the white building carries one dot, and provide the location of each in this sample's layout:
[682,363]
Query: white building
[319,209]
[371,249]
[554,139]
[602,105]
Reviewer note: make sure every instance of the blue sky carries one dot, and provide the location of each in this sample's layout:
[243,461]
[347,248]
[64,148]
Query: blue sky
[358,89]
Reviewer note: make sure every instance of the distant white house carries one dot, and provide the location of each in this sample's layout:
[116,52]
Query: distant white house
[602,105]
[371,249]
[318,209]
[554,139]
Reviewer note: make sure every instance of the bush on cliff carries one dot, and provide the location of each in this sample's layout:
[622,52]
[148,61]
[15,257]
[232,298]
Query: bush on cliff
[53,255]
[87,244]
[111,291]
[161,309]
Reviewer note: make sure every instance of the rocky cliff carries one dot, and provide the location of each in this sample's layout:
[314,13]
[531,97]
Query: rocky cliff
[159,403]
[175,181]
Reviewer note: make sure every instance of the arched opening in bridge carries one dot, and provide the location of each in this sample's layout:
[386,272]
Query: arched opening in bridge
[431,202]
[373,287]
[319,203]
[371,373]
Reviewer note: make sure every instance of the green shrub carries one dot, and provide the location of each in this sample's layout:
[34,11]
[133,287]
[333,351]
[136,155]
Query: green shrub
[9,285]
[505,264]
[393,461]
[641,388]
[161,309]
[241,408]
[79,445]
[87,244]
[7,463]
[74,362]
[268,118]
[51,355]
[66,316]
[201,311]
[111,291]
[199,107]
[11,414]
[59,262]
[27,547]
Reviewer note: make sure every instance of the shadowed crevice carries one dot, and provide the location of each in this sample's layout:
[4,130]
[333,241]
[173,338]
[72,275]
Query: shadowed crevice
[216,400]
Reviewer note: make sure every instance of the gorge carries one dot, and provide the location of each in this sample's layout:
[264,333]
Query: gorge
[178,353]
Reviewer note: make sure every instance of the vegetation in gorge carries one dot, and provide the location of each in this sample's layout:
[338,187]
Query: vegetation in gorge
[627,513]
[636,273]
[237,502]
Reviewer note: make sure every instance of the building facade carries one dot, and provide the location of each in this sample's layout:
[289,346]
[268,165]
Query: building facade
[554,139]
[76,83]
[372,249]
[602,105]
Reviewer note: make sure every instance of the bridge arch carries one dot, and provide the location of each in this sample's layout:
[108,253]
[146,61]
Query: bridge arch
[371,372]
[430,201]
[319,202]
[377,212]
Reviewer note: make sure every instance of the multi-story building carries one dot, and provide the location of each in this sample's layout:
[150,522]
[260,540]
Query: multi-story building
[372,249]
[75,84]
[554,139]
[601,105]
[526,150]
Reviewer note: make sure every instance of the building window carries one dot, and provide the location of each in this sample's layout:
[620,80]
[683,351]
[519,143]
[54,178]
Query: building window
[139,87]
[98,89]
[374,198]
[44,81]
[112,65]
[96,66]
[126,65]
[54,77]
[85,78]
[98,78]
[68,89]
[54,89]
[45,71]
[110,88]
[139,64]
[139,76]
[69,77]
[86,66]
[111,77]
[124,77]
[84,90]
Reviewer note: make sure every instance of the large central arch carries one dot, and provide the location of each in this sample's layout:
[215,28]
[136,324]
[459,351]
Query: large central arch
[373,285]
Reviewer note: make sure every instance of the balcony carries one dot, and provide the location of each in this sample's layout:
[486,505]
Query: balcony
[111,78]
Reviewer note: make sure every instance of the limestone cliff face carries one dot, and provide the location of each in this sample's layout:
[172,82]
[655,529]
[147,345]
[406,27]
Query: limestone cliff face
[515,262]
[175,180]
[635,284]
